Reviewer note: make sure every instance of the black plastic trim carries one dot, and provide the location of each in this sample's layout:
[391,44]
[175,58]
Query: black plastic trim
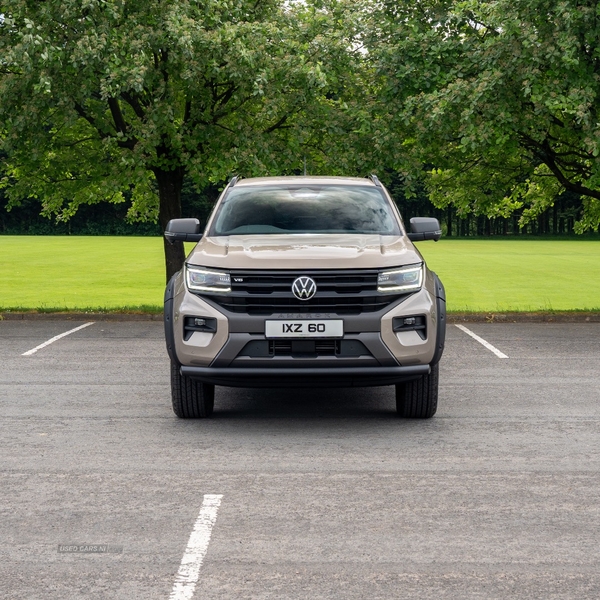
[189,326]
[440,300]
[422,237]
[440,291]
[420,324]
[186,230]
[256,349]
[365,322]
[168,318]
[378,351]
[305,377]
[264,293]
[424,228]
[182,237]
[306,361]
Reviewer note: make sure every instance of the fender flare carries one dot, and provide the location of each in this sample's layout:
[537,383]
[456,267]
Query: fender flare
[440,300]
[168,319]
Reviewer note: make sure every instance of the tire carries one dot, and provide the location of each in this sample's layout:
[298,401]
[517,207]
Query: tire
[192,399]
[417,399]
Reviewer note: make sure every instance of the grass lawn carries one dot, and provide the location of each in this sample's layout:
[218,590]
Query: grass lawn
[497,275]
[127,273]
[86,273]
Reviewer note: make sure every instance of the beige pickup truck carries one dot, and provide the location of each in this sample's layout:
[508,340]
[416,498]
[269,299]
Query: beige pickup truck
[304,281]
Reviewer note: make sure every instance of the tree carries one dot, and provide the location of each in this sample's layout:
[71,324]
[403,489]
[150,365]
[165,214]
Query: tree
[103,99]
[499,100]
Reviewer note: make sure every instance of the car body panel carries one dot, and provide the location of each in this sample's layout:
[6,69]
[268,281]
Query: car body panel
[304,251]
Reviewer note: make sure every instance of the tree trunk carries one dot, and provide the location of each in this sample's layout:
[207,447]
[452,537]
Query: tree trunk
[449,222]
[169,193]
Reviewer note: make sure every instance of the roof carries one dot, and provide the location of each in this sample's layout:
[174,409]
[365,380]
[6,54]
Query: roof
[305,179]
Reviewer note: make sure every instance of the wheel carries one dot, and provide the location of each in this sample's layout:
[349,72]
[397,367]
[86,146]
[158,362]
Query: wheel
[192,399]
[417,399]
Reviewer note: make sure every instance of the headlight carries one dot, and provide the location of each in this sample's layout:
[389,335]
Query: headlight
[407,279]
[203,280]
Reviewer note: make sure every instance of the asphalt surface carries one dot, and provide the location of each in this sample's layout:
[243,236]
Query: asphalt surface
[326,493]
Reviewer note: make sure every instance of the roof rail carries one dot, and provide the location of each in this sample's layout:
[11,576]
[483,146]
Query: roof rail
[233,181]
[374,179]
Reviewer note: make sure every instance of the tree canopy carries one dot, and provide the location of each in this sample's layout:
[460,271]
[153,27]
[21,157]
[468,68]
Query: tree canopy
[498,99]
[102,98]
[493,105]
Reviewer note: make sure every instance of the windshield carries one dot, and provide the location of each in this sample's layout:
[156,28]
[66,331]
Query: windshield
[304,209]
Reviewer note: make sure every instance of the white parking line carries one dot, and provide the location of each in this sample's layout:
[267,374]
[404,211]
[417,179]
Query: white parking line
[189,570]
[56,337]
[483,342]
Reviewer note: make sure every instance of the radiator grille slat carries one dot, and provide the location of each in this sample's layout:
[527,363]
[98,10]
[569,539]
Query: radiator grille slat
[269,292]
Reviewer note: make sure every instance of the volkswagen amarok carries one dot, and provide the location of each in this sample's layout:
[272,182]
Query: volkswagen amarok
[304,282]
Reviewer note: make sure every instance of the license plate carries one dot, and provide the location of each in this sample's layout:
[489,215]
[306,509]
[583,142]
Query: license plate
[304,329]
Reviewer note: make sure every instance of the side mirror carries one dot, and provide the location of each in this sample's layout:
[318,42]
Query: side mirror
[424,228]
[183,230]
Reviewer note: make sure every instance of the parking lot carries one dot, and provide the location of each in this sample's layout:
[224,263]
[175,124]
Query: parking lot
[324,493]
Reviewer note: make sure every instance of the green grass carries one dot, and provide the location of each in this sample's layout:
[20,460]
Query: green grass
[86,273]
[517,275]
[51,273]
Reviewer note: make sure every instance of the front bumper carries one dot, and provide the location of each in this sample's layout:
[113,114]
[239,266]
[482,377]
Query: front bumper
[227,350]
[275,377]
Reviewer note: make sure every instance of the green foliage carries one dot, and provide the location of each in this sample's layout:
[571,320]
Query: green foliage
[120,100]
[99,219]
[500,99]
[95,219]
[490,108]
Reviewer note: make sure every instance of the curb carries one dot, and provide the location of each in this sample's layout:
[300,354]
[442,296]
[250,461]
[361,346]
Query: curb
[79,316]
[567,317]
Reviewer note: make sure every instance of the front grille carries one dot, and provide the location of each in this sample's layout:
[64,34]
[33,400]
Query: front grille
[261,349]
[348,292]
[308,347]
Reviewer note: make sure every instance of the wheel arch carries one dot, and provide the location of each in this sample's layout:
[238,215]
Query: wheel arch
[440,300]
[169,320]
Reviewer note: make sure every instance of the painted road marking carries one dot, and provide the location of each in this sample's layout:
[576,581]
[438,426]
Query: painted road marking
[189,570]
[482,342]
[56,337]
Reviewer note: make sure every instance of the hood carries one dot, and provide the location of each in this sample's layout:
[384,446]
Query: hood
[304,251]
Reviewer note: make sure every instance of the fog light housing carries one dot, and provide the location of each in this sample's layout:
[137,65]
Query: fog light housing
[416,323]
[192,324]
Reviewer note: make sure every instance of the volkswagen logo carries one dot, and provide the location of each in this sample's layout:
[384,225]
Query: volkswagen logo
[304,288]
